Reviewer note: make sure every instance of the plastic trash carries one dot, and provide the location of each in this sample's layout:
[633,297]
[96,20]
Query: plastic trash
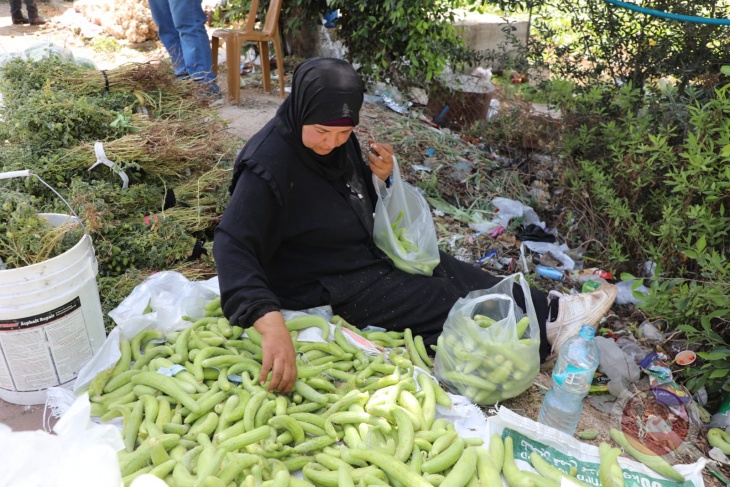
[493,108]
[549,273]
[490,258]
[509,209]
[717,455]
[626,293]
[603,403]
[631,349]
[614,362]
[395,106]
[650,331]
[685,357]
[591,285]
[330,18]
[662,384]
[719,421]
[557,251]
[617,387]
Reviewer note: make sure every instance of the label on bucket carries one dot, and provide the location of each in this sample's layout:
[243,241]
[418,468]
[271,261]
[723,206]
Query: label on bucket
[44,350]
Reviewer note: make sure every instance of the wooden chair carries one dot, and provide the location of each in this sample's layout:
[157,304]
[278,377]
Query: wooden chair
[234,40]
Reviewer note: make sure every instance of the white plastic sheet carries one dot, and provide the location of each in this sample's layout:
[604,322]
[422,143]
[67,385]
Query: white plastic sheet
[80,454]
[170,295]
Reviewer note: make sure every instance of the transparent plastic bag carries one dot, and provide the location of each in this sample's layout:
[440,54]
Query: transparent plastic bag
[481,354]
[404,229]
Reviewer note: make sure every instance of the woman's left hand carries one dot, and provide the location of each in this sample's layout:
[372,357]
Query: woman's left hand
[381,163]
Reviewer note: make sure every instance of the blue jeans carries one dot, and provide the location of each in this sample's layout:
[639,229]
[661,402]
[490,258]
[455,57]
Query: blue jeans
[181,26]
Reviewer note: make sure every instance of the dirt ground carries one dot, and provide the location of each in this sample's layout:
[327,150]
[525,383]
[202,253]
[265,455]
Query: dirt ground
[244,119]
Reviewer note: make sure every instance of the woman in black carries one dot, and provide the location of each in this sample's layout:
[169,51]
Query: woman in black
[298,231]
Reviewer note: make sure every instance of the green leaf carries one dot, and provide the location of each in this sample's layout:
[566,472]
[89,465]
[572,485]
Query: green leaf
[706,325]
[714,355]
[701,243]
[718,373]
[686,328]
[719,312]
[725,70]
[625,276]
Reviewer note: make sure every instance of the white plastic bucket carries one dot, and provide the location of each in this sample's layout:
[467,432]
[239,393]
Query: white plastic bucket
[51,322]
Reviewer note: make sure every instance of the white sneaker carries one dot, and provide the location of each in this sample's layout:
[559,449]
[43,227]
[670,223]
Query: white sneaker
[575,310]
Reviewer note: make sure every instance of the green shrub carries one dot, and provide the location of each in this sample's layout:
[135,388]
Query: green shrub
[662,187]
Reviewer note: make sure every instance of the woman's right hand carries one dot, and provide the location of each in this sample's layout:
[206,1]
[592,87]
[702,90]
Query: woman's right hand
[380,159]
[279,356]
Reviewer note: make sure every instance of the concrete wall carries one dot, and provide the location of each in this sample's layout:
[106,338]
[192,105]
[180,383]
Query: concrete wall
[483,32]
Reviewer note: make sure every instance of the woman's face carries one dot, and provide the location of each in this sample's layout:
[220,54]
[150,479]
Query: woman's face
[322,139]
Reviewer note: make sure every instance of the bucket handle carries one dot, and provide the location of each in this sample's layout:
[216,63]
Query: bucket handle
[27,173]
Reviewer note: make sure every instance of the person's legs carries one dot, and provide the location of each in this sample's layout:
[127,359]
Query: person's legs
[162,15]
[33,17]
[16,12]
[399,300]
[189,20]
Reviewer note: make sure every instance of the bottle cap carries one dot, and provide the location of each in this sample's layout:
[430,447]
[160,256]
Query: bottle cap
[587,331]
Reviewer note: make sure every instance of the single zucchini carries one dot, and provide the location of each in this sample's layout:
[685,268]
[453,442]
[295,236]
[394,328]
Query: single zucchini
[651,460]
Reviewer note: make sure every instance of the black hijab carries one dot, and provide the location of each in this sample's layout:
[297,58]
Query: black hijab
[323,89]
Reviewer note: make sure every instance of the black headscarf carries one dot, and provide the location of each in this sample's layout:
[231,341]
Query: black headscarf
[323,89]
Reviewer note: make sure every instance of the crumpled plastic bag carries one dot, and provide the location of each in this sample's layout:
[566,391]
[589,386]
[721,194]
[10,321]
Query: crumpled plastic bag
[80,454]
[557,251]
[507,209]
[170,295]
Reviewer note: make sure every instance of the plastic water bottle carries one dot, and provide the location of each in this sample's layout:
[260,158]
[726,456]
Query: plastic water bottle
[572,376]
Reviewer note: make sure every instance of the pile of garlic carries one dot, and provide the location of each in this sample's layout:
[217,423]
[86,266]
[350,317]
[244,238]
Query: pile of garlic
[128,20]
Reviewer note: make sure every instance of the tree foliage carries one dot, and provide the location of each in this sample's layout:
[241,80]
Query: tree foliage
[403,42]
[407,42]
[598,40]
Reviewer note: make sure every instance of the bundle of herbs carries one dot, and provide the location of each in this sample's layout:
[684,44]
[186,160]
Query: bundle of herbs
[167,148]
[154,88]
[200,201]
[157,245]
[51,104]
[20,76]
[128,227]
[26,238]
[46,120]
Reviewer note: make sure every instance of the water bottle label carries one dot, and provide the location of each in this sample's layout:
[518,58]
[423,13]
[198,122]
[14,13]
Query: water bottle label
[572,376]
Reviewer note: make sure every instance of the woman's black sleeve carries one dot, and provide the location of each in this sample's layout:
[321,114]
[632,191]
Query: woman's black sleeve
[247,236]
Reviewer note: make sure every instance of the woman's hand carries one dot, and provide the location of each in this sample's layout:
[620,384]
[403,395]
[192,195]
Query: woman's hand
[279,356]
[381,163]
